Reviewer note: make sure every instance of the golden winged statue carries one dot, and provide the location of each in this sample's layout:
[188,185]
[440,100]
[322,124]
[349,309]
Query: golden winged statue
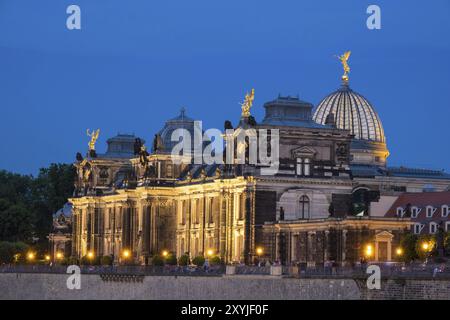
[344,58]
[247,104]
[94,137]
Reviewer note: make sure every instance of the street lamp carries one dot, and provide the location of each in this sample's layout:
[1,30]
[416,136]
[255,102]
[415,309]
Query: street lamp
[126,254]
[90,255]
[259,251]
[47,257]
[399,251]
[31,256]
[369,251]
[59,255]
[210,252]
[425,246]
[165,253]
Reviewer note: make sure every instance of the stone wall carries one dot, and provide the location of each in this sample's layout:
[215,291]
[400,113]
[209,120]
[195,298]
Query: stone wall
[408,289]
[53,286]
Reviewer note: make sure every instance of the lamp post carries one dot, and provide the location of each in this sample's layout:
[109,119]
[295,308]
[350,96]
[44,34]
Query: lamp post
[259,251]
[90,255]
[368,252]
[31,256]
[427,247]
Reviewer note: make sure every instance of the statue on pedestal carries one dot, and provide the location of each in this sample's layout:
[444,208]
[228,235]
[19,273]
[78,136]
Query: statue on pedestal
[94,136]
[247,104]
[158,144]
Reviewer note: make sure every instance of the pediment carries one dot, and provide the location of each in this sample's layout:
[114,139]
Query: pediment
[384,235]
[304,151]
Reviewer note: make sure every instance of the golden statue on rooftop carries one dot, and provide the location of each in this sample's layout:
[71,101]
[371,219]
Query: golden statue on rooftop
[344,58]
[94,137]
[248,102]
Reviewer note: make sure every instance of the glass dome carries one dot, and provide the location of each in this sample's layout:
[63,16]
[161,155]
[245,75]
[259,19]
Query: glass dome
[351,112]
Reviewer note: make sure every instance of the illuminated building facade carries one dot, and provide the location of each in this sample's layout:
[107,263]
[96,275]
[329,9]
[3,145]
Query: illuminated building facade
[327,201]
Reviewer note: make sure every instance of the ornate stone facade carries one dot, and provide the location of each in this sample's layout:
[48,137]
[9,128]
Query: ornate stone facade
[317,207]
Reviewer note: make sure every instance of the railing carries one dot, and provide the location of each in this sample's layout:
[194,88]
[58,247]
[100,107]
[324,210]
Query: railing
[126,270]
[416,271]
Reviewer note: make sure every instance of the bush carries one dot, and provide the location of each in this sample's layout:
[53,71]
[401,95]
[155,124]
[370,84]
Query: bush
[9,249]
[157,261]
[106,261]
[90,262]
[198,261]
[215,260]
[69,261]
[171,260]
[183,260]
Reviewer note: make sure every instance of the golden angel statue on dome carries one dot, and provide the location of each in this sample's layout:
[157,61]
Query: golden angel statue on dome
[247,104]
[344,58]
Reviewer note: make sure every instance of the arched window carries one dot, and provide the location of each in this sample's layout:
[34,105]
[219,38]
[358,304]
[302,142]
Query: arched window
[304,207]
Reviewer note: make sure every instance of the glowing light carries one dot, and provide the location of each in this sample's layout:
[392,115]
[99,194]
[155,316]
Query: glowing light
[399,251]
[126,254]
[210,252]
[31,256]
[165,253]
[259,251]
[59,255]
[47,257]
[90,255]
[369,250]
[425,246]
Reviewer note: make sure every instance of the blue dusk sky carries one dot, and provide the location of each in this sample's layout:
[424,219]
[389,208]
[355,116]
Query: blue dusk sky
[134,64]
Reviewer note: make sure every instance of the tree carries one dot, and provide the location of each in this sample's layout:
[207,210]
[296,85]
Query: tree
[16,223]
[447,243]
[27,204]
[51,189]
[425,246]
[408,243]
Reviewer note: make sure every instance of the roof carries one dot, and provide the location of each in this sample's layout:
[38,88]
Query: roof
[417,173]
[351,112]
[182,121]
[367,171]
[290,111]
[420,200]
[120,146]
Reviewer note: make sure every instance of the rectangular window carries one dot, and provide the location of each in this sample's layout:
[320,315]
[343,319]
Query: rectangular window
[429,212]
[445,211]
[299,166]
[433,227]
[307,167]
[417,228]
